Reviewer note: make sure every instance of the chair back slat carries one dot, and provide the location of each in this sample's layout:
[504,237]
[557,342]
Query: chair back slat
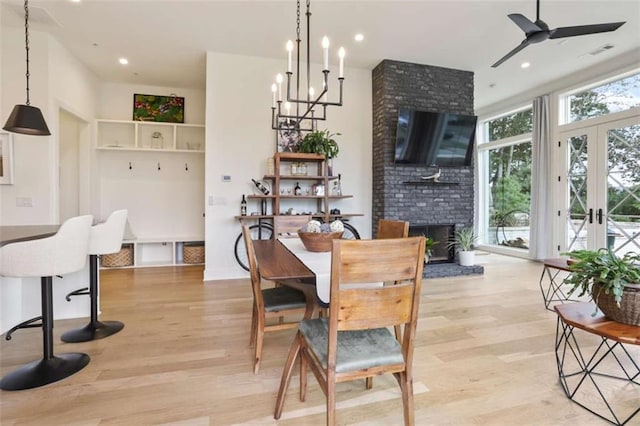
[366,262]
[288,226]
[392,229]
[253,267]
[375,307]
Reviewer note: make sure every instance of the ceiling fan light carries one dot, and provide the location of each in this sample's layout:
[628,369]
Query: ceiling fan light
[27,120]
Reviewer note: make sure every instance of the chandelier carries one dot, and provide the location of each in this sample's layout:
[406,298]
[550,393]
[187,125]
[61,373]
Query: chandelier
[301,113]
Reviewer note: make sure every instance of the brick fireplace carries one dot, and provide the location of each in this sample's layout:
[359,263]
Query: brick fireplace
[398,192]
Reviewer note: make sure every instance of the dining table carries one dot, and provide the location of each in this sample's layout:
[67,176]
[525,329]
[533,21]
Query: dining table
[287,260]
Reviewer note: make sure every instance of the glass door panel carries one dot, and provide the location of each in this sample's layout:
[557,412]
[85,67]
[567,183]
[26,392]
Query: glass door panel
[623,187]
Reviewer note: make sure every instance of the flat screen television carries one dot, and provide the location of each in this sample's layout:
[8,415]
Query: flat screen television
[434,138]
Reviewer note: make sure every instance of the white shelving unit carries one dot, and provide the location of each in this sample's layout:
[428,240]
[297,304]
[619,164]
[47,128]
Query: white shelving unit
[159,180]
[138,135]
[159,251]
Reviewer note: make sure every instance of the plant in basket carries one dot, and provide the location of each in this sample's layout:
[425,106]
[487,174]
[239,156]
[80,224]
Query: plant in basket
[612,281]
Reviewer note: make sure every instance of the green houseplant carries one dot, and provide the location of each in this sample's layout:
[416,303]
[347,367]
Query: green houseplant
[463,240]
[320,142]
[612,281]
[428,245]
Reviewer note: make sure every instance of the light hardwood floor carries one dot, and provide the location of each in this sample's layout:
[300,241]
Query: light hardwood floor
[484,356]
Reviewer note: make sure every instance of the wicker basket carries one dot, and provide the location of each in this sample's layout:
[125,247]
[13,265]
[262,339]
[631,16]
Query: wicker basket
[318,241]
[122,258]
[193,253]
[629,310]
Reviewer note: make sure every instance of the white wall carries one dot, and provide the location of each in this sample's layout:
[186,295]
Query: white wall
[240,139]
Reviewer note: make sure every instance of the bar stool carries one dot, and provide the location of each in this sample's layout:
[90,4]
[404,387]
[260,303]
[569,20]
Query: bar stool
[105,238]
[63,253]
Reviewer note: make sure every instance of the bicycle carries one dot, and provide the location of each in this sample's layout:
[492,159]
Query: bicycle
[264,231]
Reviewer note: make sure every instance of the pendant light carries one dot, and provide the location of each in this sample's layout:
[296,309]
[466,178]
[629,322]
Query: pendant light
[27,119]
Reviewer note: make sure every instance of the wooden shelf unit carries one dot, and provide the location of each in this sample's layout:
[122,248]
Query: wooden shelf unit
[318,175]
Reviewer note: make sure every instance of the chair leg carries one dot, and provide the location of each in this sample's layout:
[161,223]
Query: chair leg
[331,400]
[303,375]
[406,386]
[95,329]
[50,368]
[368,382]
[286,376]
[254,318]
[259,340]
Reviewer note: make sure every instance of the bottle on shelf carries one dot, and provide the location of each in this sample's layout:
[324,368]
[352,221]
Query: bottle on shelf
[243,206]
[337,186]
[297,190]
[260,186]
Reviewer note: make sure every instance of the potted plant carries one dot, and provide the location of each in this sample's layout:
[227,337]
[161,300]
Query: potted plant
[321,142]
[428,244]
[612,281]
[463,240]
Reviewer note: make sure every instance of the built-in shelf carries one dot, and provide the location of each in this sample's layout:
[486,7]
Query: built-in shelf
[427,182]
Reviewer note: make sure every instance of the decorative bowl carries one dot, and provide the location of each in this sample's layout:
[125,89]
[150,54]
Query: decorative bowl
[318,241]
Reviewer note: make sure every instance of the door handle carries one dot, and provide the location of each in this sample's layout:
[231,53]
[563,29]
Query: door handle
[590,215]
[599,216]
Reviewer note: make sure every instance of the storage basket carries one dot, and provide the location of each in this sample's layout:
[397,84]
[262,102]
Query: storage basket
[193,252]
[122,258]
[629,310]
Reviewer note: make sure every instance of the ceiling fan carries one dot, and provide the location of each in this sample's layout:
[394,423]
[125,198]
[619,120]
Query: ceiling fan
[539,31]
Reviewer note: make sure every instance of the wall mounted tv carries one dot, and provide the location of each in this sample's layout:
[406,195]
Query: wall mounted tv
[434,138]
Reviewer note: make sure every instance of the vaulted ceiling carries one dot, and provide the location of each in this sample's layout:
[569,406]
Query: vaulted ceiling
[166,41]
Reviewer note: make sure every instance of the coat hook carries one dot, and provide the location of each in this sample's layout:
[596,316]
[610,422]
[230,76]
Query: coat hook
[186,167]
[158,166]
[130,166]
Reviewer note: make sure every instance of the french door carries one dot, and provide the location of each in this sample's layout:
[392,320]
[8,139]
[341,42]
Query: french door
[601,193]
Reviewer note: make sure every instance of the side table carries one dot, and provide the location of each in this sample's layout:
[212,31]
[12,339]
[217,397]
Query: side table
[556,270]
[604,377]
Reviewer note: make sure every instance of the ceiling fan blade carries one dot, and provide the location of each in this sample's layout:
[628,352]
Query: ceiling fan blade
[584,30]
[521,46]
[524,23]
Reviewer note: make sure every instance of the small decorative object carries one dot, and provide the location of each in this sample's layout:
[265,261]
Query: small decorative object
[614,282]
[314,226]
[463,242]
[297,190]
[288,139]
[243,206]
[157,140]
[262,186]
[193,253]
[318,190]
[168,109]
[336,226]
[271,166]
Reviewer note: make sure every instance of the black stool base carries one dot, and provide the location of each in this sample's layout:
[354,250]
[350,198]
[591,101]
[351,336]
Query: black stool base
[44,371]
[92,331]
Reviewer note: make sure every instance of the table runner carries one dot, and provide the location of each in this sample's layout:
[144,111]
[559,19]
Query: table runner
[320,264]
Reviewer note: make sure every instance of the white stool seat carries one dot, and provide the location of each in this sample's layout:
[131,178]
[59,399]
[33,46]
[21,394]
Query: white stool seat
[105,238]
[62,253]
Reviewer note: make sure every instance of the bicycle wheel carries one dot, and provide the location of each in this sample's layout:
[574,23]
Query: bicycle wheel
[350,233]
[261,231]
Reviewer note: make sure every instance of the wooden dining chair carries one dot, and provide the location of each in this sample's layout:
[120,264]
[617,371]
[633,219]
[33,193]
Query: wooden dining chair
[354,342]
[269,303]
[285,226]
[392,229]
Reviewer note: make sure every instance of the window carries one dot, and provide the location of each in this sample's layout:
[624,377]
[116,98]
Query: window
[506,179]
[615,96]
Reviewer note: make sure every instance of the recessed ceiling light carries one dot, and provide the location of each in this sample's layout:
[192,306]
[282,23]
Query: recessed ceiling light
[525,65]
[76,1]
[492,85]
[358,37]
[123,61]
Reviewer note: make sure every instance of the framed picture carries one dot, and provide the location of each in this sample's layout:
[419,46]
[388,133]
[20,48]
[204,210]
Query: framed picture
[6,159]
[289,138]
[167,109]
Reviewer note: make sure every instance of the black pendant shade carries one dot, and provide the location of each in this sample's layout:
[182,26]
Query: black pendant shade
[28,120]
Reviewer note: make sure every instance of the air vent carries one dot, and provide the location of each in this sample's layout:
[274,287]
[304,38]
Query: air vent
[601,49]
